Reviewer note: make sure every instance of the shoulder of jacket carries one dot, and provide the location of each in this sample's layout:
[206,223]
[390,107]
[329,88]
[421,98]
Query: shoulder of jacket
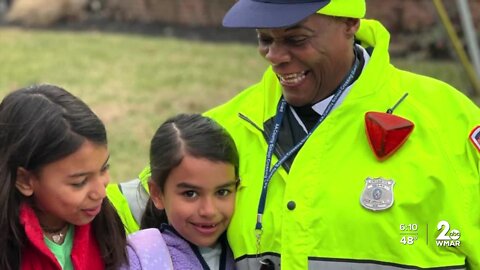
[145,236]
[253,93]
[150,248]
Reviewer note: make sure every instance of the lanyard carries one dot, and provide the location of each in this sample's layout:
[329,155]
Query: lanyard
[268,173]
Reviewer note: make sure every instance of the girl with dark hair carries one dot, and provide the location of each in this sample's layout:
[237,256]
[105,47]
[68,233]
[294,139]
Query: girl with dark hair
[194,176]
[53,173]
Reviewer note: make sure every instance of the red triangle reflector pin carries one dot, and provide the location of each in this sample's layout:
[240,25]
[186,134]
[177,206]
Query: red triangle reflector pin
[386,132]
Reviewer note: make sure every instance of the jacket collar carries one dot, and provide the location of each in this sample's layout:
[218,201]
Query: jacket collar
[85,251]
[34,234]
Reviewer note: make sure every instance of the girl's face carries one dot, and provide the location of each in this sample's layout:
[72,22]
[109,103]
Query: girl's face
[70,190]
[199,199]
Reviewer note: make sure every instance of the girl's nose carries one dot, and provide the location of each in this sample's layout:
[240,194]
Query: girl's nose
[98,191]
[207,207]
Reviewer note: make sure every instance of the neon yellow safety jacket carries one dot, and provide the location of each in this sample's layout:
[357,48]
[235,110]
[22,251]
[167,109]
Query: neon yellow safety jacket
[129,199]
[314,217]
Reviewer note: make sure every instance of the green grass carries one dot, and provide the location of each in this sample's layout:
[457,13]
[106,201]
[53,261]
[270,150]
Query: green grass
[134,82]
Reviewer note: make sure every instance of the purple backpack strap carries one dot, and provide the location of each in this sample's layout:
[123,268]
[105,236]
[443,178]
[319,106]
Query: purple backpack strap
[147,248]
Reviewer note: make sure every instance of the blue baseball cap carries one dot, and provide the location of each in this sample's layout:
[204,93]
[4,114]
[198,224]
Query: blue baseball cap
[284,13]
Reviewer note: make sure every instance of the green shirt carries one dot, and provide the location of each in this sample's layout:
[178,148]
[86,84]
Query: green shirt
[62,252]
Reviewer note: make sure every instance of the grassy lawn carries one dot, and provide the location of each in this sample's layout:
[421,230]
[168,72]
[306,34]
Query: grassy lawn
[134,82]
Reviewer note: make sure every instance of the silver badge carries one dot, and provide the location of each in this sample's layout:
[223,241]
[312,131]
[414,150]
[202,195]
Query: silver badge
[377,194]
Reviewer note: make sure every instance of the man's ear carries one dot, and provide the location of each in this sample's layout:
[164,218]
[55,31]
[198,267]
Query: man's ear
[24,182]
[156,195]
[352,26]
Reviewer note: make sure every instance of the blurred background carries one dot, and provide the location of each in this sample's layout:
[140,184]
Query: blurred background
[137,62]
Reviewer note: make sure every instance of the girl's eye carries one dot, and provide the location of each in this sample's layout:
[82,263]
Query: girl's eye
[190,194]
[105,168]
[223,192]
[79,184]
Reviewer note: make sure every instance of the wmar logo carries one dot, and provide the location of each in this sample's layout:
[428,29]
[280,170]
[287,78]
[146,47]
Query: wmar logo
[447,237]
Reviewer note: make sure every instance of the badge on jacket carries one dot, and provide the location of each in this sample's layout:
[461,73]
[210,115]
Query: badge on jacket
[475,137]
[377,194]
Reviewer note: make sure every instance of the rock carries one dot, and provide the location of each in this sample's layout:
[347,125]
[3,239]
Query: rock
[45,12]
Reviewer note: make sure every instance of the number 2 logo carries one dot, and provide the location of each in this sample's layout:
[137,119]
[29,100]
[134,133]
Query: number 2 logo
[444,234]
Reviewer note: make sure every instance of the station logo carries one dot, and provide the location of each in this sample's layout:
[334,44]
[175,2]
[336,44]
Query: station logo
[447,237]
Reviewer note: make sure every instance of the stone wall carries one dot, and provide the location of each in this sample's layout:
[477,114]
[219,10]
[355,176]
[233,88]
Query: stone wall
[414,24]
[182,12]
[397,15]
